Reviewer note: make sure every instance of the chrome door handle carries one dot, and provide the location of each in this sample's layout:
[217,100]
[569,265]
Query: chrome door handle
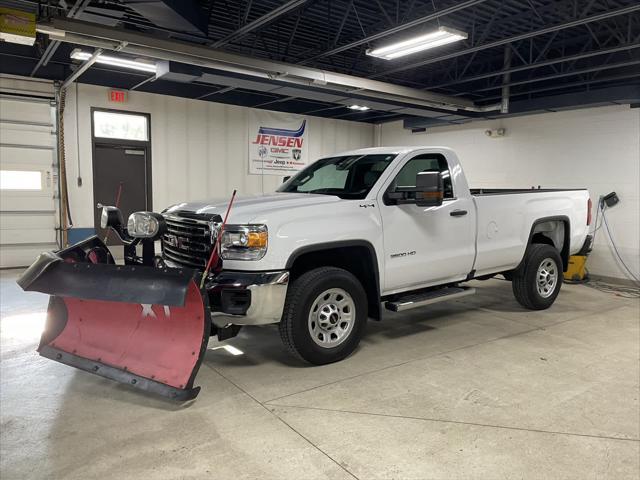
[458,213]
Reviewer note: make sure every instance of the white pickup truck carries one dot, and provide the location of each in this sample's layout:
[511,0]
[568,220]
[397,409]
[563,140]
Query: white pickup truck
[393,227]
[347,234]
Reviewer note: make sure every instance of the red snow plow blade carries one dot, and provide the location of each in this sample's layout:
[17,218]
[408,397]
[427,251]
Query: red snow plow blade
[144,326]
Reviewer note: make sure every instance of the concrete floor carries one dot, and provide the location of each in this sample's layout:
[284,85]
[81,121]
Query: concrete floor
[473,389]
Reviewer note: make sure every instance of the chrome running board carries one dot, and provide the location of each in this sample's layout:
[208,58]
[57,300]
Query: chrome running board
[416,300]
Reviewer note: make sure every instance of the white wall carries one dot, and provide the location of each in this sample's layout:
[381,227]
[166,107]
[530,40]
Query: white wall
[199,149]
[597,148]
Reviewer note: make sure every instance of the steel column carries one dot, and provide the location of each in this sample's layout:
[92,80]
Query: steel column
[504,105]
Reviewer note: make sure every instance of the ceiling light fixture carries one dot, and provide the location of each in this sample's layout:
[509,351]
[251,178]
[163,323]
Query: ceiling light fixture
[442,36]
[360,108]
[116,61]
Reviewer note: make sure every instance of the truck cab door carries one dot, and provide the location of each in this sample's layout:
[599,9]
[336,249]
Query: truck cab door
[432,245]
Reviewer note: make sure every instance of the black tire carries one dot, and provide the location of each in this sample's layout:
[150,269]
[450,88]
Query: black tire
[301,297]
[525,281]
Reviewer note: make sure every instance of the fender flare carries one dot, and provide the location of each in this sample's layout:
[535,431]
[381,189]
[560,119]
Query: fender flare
[319,247]
[566,247]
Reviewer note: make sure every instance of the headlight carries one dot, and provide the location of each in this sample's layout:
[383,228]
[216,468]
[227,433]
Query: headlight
[244,242]
[146,225]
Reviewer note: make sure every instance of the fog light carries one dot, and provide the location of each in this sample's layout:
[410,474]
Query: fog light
[146,225]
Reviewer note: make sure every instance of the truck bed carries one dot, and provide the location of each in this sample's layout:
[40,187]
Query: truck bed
[504,223]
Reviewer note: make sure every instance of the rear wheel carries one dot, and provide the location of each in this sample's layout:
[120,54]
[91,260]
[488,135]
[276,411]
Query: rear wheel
[537,282]
[324,315]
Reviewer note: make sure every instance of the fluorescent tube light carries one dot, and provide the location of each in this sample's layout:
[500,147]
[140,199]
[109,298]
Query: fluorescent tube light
[360,108]
[115,61]
[442,36]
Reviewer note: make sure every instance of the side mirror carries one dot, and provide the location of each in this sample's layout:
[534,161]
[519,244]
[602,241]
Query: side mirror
[111,218]
[429,189]
[286,179]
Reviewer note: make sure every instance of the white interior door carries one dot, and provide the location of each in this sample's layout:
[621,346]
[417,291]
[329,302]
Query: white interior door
[28,179]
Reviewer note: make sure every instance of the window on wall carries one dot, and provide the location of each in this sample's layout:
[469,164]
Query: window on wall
[123,126]
[20,180]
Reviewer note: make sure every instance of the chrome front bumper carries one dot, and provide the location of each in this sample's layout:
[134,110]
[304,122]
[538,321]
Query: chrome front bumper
[247,298]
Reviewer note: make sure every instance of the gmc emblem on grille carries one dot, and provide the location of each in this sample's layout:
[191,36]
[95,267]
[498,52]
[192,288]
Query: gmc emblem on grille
[175,241]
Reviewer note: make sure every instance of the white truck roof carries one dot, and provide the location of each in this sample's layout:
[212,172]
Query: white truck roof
[389,150]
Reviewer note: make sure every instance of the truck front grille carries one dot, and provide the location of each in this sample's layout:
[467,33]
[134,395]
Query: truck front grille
[188,240]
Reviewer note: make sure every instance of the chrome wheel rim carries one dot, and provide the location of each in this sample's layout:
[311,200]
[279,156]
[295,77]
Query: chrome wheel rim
[547,277]
[331,318]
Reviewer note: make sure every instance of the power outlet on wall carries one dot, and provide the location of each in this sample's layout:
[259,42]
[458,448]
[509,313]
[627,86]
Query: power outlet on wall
[496,132]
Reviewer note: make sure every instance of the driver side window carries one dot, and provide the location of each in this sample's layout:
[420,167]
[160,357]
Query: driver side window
[424,163]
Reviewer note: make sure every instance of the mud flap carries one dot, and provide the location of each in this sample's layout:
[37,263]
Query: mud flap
[144,326]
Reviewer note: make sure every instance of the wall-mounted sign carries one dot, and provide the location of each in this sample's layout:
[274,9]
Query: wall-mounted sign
[277,143]
[117,96]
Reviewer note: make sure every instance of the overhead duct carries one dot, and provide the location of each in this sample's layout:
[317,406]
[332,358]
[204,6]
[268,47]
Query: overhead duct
[102,16]
[623,95]
[179,72]
[179,15]
[83,33]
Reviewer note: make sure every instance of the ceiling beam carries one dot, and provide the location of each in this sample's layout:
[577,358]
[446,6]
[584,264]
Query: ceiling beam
[523,36]
[259,22]
[51,49]
[599,68]
[81,69]
[544,63]
[627,76]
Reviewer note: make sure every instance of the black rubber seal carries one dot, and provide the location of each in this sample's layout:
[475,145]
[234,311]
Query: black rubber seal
[122,376]
[113,283]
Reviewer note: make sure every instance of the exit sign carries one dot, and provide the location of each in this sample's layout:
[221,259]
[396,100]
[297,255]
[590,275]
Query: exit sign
[117,96]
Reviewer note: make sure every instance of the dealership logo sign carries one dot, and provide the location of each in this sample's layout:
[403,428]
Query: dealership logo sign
[277,144]
[280,137]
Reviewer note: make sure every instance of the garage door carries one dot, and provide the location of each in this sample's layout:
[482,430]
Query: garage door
[27,178]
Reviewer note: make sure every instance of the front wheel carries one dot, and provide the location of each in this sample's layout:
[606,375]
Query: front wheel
[537,282]
[324,315]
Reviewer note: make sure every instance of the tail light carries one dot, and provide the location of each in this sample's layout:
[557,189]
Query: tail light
[589,207]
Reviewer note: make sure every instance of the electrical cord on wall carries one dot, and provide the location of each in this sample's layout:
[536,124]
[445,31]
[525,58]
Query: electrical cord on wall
[621,291]
[613,244]
[67,221]
[79,179]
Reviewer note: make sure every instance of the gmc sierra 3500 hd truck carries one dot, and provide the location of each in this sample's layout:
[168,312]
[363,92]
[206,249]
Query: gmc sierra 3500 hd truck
[349,234]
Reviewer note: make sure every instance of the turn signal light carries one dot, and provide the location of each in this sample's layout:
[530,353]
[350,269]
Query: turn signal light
[257,239]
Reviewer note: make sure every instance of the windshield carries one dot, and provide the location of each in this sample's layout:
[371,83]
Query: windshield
[349,177]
